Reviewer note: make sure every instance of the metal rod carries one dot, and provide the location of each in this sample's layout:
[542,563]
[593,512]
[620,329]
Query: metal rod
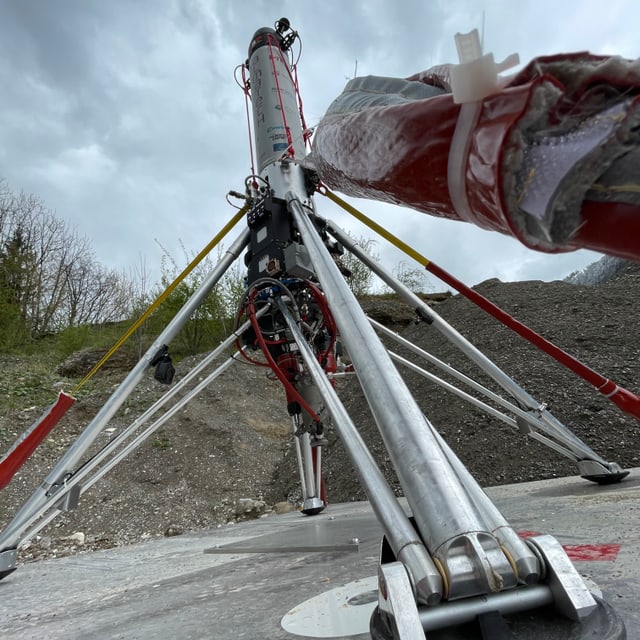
[154,408]
[458,375]
[32,508]
[495,413]
[527,564]
[296,440]
[507,602]
[455,390]
[527,416]
[163,419]
[85,470]
[401,535]
[552,444]
[308,465]
[472,352]
[318,455]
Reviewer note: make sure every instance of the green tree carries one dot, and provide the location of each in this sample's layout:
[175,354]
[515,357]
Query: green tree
[49,276]
[361,277]
[413,278]
[213,319]
[15,264]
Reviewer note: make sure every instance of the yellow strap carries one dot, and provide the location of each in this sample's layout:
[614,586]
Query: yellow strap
[387,235]
[163,296]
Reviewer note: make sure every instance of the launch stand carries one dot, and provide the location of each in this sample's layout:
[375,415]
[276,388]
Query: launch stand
[455,561]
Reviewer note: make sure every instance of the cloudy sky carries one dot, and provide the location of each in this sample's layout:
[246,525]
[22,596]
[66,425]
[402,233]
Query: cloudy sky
[124,116]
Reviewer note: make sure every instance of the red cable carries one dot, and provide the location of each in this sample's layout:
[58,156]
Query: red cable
[271,40]
[306,134]
[243,353]
[292,391]
[624,399]
[247,97]
[327,316]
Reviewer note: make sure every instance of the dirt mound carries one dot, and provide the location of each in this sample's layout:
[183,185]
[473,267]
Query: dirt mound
[596,324]
[79,363]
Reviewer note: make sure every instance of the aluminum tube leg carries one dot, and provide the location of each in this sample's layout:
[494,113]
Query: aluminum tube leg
[527,565]
[450,525]
[85,470]
[303,479]
[445,328]
[308,465]
[401,535]
[318,456]
[113,445]
[568,451]
[579,454]
[31,509]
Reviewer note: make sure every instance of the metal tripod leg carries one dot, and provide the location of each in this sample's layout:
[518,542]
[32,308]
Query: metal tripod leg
[533,414]
[309,470]
[524,421]
[450,525]
[426,579]
[405,618]
[45,495]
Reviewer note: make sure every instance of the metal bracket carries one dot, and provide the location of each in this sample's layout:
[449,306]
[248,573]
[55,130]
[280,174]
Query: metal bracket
[71,499]
[571,596]
[396,599]
[8,562]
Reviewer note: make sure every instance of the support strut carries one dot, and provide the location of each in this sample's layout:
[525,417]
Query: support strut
[537,421]
[459,541]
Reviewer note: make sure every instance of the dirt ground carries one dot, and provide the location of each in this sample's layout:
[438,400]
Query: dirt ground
[229,454]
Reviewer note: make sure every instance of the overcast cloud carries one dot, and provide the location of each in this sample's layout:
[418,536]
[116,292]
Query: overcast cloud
[124,116]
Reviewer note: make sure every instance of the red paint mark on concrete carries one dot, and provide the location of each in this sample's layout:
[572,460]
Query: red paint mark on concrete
[584,552]
[590,552]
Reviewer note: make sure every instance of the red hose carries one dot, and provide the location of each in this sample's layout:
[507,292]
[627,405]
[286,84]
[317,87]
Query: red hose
[292,392]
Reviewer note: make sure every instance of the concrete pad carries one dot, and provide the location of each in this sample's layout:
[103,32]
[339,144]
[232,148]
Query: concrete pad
[314,575]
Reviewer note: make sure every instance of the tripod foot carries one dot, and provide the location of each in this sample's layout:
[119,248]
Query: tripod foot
[312,506]
[608,473]
[607,478]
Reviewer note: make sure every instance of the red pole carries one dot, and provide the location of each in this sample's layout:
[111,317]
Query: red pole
[626,400]
[30,439]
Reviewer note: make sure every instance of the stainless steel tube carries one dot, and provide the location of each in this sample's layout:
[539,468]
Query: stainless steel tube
[554,427]
[400,533]
[451,526]
[456,613]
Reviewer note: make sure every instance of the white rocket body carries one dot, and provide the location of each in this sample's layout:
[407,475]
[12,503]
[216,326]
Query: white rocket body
[276,118]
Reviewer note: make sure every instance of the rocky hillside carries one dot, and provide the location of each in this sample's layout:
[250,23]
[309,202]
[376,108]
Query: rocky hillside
[229,455]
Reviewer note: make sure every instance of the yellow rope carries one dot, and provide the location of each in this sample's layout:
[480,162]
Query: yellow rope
[163,296]
[387,235]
